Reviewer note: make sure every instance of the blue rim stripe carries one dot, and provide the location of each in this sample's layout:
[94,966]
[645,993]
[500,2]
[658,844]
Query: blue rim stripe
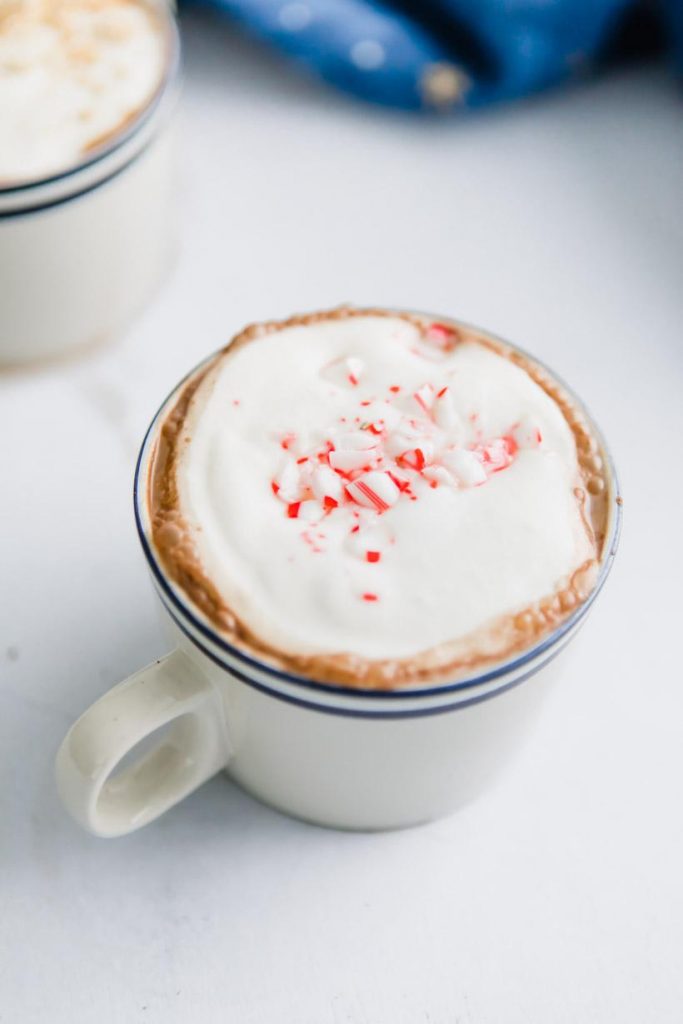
[27,211]
[79,168]
[353,712]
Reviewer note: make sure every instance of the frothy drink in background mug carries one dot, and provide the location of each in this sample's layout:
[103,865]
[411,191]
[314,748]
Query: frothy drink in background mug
[372,532]
[87,88]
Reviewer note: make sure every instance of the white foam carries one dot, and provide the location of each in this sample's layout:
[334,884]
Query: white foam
[71,73]
[488,535]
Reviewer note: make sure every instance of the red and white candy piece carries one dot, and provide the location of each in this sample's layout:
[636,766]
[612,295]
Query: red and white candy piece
[404,439]
[287,483]
[466,466]
[355,368]
[424,399]
[443,409]
[498,454]
[345,371]
[288,441]
[354,450]
[527,434]
[356,440]
[369,544]
[347,461]
[400,479]
[381,415]
[375,490]
[441,335]
[419,457]
[311,511]
[438,475]
[327,486]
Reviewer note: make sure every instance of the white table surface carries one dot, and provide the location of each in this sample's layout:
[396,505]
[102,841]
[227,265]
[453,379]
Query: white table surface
[558,899]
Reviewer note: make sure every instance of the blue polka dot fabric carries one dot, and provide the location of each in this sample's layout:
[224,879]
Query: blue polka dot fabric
[455,54]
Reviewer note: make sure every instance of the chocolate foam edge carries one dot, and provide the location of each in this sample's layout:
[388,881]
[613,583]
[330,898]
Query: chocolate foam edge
[496,642]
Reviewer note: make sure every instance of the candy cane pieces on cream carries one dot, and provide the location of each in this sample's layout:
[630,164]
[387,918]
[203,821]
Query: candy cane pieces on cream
[399,443]
[465,466]
[347,371]
[376,491]
[526,434]
[323,504]
[441,335]
[287,484]
[326,486]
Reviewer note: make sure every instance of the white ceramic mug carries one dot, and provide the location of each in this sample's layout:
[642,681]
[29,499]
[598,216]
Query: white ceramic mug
[356,759]
[81,251]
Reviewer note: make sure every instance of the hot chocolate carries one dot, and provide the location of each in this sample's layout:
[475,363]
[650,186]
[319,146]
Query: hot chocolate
[378,499]
[73,75]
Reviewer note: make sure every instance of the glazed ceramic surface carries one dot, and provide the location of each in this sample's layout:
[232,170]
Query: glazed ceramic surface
[348,758]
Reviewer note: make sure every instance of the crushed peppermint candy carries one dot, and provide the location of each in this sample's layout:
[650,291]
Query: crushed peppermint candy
[466,467]
[442,335]
[345,461]
[354,368]
[374,490]
[347,371]
[526,434]
[287,484]
[443,409]
[326,485]
[424,399]
[398,446]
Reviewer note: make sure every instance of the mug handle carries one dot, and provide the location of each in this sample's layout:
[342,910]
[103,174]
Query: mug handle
[170,692]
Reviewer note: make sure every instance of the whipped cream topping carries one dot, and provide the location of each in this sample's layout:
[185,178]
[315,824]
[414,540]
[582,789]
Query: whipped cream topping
[72,74]
[371,489]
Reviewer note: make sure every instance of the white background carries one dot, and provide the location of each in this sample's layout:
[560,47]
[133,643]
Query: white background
[558,899]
